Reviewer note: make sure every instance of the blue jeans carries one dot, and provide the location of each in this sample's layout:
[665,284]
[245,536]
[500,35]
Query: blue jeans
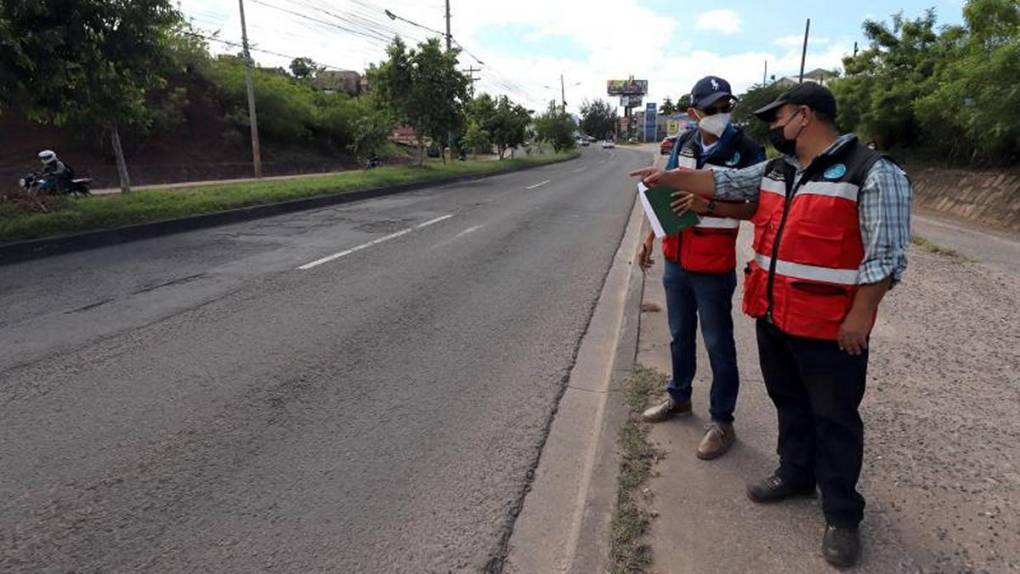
[710,297]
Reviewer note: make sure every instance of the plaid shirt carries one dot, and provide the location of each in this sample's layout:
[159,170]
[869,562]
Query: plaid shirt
[883,207]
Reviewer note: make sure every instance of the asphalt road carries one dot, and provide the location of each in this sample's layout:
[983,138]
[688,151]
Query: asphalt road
[228,401]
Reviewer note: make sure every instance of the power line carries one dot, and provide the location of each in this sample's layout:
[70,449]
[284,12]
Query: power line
[261,50]
[371,36]
[361,23]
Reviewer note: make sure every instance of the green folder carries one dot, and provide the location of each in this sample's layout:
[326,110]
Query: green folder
[664,221]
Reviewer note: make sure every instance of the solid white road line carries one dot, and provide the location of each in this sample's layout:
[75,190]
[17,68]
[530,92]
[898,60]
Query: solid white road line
[347,252]
[539,184]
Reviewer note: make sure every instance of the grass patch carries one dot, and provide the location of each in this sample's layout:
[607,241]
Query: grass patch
[104,212]
[935,248]
[629,553]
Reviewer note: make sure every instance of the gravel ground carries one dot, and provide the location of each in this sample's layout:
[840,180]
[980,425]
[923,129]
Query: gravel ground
[941,415]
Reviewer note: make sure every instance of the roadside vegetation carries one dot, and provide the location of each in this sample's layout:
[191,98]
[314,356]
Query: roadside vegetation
[629,553]
[22,220]
[931,247]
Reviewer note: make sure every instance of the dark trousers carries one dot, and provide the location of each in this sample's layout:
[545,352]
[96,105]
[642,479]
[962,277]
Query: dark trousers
[710,297]
[817,389]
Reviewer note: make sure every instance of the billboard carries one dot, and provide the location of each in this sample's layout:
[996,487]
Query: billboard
[629,87]
[630,101]
[651,118]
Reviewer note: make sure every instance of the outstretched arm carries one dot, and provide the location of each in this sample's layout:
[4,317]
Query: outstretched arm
[700,181]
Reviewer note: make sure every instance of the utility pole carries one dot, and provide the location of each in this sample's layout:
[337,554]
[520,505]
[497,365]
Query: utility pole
[256,152]
[449,46]
[449,37]
[471,77]
[803,54]
[855,49]
[765,75]
[563,94]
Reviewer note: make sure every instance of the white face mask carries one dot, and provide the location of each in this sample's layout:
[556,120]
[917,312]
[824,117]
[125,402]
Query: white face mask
[715,124]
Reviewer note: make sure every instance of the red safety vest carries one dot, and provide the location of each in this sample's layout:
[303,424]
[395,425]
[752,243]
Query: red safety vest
[708,247]
[807,244]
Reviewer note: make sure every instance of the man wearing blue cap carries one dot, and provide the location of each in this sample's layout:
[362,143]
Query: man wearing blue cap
[831,234]
[700,276]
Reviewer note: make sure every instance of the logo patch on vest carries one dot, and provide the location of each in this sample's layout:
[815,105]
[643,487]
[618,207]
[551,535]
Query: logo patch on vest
[836,171]
[733,160]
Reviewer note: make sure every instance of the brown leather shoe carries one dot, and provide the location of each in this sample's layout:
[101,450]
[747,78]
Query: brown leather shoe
[666,409]
[718,439]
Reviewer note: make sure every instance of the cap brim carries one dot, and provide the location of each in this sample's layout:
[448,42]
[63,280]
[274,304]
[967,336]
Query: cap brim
[768,113]
[711,99]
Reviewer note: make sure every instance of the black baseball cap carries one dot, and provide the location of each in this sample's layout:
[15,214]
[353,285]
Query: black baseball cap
[710,90]
[815,96]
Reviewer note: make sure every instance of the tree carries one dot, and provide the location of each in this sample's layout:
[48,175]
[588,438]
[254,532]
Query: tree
[423,89]
[684,103]
[882,82]
[556,127]
[509,125]
[304,68]
[370,130]
[668,107]
[476,139]
[598,118]
[972,113]
[481,114]
[89,63]
[753,99]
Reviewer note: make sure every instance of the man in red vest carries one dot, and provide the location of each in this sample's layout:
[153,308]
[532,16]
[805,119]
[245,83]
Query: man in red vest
[700,275]
[831,233]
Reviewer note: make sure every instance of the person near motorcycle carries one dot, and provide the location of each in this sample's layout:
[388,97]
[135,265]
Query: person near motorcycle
[57,173]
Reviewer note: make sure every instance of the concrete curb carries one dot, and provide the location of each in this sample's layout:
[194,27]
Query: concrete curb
[564,522]
[35,248]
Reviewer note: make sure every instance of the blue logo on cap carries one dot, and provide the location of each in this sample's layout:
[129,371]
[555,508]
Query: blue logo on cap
[835,172]
[734,160]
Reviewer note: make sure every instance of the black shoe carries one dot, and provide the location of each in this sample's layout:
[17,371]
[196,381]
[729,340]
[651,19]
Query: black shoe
[775,489]
[841,546]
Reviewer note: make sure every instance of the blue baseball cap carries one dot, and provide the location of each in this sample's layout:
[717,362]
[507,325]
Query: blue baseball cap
[710,90]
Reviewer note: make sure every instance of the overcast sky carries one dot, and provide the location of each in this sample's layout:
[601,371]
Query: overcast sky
[526,44]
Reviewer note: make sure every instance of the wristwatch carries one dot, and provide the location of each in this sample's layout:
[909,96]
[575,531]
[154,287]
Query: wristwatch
[711,206]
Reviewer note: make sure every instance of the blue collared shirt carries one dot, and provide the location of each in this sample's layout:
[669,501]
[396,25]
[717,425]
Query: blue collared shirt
[883,207]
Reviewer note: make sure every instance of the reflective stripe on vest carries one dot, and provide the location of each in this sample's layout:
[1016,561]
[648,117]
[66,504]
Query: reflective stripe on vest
[809,272]
[718,223]
[841,190]
[773,186]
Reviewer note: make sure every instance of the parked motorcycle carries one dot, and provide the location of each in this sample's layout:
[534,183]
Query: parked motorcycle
[37,183]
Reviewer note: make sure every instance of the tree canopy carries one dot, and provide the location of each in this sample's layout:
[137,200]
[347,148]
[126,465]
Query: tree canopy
[950,92]
[598,118]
